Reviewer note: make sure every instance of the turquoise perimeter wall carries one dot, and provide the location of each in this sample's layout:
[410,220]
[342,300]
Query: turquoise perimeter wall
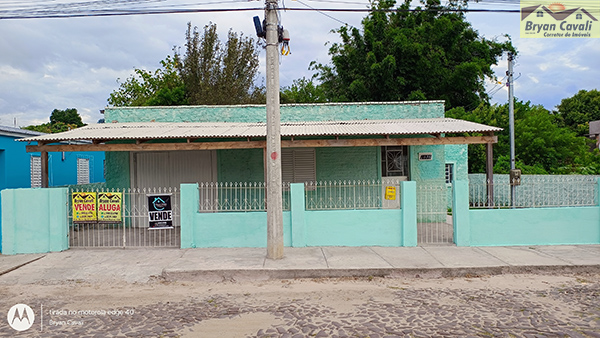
[527,226]
[34,220]
[46,229]
[391,227]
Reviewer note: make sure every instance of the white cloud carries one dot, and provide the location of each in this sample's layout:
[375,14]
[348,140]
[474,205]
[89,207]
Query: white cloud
[533,78]
[51,64]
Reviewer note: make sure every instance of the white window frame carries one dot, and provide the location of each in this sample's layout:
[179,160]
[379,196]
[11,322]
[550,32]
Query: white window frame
[35,171]
[83,170]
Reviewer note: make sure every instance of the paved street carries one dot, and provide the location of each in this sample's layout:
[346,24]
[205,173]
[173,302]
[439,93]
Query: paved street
[482,306]
[539,291]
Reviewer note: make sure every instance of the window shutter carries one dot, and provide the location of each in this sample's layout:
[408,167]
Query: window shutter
[287,165]
[83,171]
[304,165]
[298,165]
[35,165]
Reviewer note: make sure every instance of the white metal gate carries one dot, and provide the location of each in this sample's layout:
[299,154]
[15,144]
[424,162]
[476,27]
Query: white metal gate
[134,230]
[434,224]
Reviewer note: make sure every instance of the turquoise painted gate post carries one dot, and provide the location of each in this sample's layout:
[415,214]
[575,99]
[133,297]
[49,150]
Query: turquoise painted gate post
[298,209]
[189,202]
[408,207]
[460,213]
[45,230]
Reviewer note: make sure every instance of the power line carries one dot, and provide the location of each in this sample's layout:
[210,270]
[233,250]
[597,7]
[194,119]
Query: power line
[321,12]
[100,13]
[126,12]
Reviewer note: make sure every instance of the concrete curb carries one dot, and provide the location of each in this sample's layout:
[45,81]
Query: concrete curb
[265,274]
[20,265]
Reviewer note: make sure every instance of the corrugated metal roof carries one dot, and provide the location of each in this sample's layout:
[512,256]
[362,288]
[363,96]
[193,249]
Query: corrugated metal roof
[162,130]
[18,132]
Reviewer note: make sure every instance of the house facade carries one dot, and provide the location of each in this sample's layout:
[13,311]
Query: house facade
[305,164]
[354,174]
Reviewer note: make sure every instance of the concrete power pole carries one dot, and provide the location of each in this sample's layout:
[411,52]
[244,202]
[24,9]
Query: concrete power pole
[511,121]
[273,149]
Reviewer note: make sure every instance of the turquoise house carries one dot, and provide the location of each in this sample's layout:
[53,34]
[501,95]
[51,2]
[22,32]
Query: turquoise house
[133,169]
[19,169]
[351,171]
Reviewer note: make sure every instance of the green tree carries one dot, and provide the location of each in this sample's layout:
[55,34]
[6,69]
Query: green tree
[302,91]
[541,145]
[208,72]
[163,87]
[60,120]
[576,112]
[216,74]
[69,116]
[429,53]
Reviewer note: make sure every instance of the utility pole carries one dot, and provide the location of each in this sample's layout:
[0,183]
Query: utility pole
[511,121]
[273,149]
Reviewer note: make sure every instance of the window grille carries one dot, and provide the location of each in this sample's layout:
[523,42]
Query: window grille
[449,172]
[394,161]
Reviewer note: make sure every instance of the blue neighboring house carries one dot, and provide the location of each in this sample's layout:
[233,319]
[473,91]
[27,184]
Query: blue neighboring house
[19,169]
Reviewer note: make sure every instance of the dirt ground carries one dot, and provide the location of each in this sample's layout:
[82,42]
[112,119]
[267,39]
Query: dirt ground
[251,308]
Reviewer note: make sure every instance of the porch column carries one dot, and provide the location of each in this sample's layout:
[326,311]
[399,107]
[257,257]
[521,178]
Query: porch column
[489,173]
[44,160]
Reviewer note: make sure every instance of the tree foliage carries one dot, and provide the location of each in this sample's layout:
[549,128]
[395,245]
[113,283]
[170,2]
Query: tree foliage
[214,73]
[542,146]
[163,87]
[60,120]
[429,53]
[208,72]
[302,91]
[576,112]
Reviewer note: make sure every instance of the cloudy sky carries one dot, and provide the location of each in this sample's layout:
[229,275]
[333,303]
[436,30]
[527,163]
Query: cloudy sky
[48,63]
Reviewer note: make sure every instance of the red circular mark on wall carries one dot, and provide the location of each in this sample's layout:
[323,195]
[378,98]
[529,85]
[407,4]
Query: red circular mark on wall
[274,155]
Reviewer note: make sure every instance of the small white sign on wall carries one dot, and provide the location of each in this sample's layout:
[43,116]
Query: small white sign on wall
[425,156]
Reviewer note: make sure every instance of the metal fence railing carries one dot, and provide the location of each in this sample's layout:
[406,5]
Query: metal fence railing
[355,194]
[237,196]
[535,191]
[434,224]
[134,229]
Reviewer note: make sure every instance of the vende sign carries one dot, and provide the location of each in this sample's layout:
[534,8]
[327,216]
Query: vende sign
[160,212]
[84,207]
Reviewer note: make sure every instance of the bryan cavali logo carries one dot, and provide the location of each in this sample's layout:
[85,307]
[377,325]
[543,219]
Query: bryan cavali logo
[568,19]
[20,317]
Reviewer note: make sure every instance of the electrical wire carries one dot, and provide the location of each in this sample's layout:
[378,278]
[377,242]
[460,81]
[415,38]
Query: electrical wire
[51,9]
[320,12]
